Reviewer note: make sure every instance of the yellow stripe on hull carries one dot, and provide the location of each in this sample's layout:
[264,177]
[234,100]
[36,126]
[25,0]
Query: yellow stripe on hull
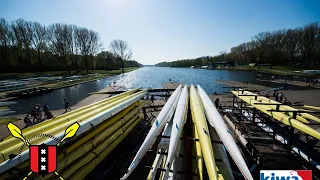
[197,163]
[85,169]
[127,113]
[203,133]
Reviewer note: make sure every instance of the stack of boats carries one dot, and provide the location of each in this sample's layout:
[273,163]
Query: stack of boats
[287,115]
[10,85]
[103,125]
[172,119]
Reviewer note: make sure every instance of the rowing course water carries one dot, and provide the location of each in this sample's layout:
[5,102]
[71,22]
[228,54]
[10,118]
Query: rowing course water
[146,77]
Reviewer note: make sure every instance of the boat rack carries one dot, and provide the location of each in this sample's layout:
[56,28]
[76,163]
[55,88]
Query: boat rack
[263,135]
[118,161]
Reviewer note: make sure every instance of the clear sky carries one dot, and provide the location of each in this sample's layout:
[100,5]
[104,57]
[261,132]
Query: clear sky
[167,30]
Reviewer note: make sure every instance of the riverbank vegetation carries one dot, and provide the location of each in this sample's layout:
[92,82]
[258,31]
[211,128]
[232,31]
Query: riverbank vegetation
[27,46]
[293,48]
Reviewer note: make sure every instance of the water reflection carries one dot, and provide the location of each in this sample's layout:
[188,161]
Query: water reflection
[147,77]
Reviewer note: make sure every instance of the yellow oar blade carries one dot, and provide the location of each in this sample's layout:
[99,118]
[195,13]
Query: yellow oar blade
[16,132]
[70,131]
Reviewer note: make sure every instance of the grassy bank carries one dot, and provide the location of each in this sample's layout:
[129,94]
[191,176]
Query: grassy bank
[280,70]
[61,73]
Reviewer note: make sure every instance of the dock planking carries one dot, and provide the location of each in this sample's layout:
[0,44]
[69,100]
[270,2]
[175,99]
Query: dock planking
[252,87]
[295,83]
[171,85]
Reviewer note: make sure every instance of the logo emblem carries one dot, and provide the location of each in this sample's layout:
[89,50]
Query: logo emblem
[286,174]
[43,159]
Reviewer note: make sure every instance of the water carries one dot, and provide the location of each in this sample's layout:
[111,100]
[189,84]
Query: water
[146,77]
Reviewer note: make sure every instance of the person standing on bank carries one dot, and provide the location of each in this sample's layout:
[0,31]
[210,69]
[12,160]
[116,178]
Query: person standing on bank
[66,105]
[216,102]
[152,99]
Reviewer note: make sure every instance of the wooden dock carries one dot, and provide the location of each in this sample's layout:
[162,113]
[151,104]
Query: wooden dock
[171,85]
[295,83]
[253,87]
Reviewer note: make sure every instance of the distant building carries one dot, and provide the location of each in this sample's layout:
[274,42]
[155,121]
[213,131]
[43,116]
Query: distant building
[204,67]
[224,64]
[252,64]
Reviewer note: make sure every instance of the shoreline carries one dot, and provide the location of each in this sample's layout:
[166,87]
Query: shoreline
[269,71]
[262,70]
[62,84]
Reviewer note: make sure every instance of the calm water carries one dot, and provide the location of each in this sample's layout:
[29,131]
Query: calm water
[146,77]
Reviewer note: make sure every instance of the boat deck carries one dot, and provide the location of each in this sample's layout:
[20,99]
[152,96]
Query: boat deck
[171,85]
[242,84]
[295,83]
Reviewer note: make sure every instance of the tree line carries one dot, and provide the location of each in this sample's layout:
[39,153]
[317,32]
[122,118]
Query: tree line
[290,47]
[27,46]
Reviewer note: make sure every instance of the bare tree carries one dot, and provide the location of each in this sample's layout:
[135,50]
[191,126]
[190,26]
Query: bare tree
[23,33]
[236,53]
[309,39]
[95,45]
[276,46]
[60,41]
[107,59]
[75,47]
[291,43]
[83,42]
[24,44]
[39,39]
[17,45]
[121,49]
[4,40]
[261,43]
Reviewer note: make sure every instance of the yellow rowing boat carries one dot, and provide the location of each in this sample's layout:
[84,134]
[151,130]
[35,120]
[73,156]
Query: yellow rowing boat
[278,115]
[203,133]
[300,117]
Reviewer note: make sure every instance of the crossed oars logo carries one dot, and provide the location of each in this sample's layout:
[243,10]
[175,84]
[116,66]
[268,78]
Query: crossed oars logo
[69,132]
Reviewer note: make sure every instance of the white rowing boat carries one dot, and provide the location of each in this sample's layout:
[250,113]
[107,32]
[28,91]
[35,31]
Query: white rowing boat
[222,130]
[164,116]
[178,124]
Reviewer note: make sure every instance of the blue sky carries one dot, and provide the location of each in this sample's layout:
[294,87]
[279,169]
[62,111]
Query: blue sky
[167,30]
